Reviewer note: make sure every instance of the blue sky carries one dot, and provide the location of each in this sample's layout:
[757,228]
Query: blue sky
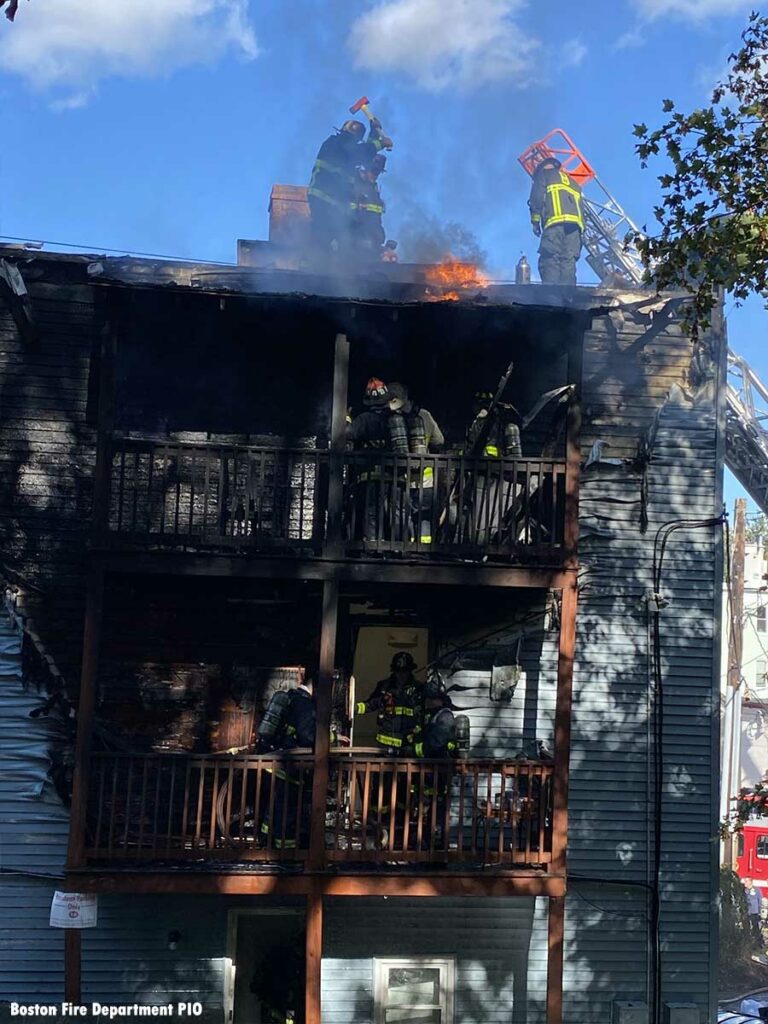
[160,125]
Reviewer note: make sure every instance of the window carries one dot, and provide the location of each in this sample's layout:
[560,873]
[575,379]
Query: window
[761,619]
[761,671]
[418,990]
[761,847]
[740,851]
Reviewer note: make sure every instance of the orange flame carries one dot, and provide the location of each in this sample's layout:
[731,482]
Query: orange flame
[454,279]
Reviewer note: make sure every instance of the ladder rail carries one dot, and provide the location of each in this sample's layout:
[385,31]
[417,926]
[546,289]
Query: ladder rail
[608,237]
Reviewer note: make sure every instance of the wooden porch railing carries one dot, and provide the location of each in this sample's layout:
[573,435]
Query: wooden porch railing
[181,807]
[166,807]
[470,812]
[217,495]
[262,499]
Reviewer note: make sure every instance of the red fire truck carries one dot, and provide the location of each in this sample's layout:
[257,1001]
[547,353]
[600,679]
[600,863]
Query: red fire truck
[752,853]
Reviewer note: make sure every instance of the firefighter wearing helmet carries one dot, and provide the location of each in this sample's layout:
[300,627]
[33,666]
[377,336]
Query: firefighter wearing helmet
[367,210]
[397,700]
[334,180]
[557,217]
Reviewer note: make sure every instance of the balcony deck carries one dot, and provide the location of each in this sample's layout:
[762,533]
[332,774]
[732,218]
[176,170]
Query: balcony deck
[278,502]
[149,810]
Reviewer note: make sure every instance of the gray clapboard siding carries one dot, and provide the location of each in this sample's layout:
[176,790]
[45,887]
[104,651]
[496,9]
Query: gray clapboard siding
[48,456]
[31,952]
[33,822]
[500,948]
[33,838]
[610,831]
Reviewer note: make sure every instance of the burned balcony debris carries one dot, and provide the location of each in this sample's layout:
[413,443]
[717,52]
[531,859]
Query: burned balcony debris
[151,808]
[265,500]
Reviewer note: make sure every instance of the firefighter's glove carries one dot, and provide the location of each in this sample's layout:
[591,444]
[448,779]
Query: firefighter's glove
[376,124]
[386,142]
[536,228]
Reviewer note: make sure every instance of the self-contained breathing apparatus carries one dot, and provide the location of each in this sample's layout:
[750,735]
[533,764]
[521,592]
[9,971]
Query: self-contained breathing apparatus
[273,720]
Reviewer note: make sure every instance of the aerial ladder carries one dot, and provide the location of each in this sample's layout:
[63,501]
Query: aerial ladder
[614,257]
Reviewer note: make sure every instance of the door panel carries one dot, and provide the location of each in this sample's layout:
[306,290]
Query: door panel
[374,650]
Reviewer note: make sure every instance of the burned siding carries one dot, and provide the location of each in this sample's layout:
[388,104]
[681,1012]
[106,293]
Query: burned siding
[47,457]
[33,838]
[33,822]
[638,386]
[513,726]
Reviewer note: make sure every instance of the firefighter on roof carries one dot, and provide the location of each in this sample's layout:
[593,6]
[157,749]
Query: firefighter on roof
[334,178]
[557,217]
[367,209]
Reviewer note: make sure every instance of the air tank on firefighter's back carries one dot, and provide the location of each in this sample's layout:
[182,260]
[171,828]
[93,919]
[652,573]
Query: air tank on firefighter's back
[462,735]
[274,715]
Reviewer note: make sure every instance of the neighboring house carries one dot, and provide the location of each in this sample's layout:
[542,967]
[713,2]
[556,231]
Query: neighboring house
[189,532]
[754,667]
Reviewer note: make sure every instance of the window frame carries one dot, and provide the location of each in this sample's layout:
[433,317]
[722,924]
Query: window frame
[761,619]
[383,964]
[761,841]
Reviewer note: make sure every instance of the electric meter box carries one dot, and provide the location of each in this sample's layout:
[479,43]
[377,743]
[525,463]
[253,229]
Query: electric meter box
[630,1012]
[682,1013]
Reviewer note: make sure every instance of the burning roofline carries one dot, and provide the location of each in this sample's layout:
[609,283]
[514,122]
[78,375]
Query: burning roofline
[386,284]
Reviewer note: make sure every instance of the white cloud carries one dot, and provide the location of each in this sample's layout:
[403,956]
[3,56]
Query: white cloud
[74,44]
[696,10]
[441,43]
[573,53]
[630,39]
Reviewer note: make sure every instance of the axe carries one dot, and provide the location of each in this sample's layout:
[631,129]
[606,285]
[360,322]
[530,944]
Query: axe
[362,104]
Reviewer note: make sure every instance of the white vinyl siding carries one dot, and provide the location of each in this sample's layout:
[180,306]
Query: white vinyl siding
[417,990]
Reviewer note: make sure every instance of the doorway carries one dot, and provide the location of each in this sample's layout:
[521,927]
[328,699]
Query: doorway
[375,647]
[266,951]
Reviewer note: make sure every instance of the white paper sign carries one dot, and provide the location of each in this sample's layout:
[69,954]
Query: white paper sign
[74,910]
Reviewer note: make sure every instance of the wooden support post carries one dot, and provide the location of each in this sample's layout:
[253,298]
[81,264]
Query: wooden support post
[314,958]
[334,545]
[72,982]
[323,708]
[563,726]
[556,940]
[94,589]
[85,710]
[572,470]
[105,420]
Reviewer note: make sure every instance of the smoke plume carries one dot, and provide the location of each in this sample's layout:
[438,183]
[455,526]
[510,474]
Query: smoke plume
[424,239]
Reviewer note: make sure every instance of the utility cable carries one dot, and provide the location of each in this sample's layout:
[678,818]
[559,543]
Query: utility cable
[95,249]
[31,874]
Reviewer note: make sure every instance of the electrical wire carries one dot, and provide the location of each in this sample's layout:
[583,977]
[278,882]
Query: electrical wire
[92,249]
[444,655]
[30,874]
[603,910]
